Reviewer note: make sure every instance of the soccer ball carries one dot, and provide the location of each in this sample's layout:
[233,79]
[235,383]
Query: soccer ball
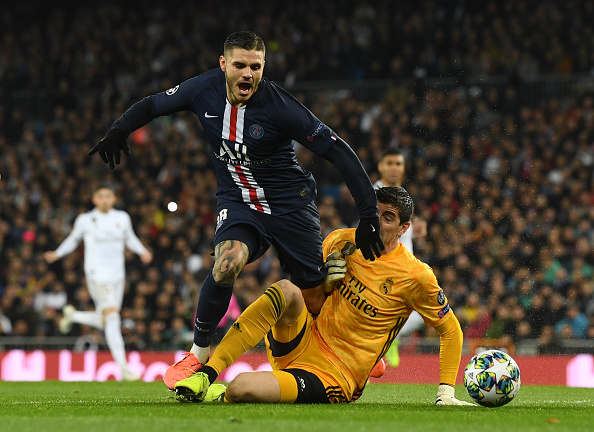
[492,378]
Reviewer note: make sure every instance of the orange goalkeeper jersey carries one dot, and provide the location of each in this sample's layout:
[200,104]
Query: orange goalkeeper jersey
[367,309]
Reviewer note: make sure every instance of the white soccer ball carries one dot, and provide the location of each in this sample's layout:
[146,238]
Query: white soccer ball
[492,378]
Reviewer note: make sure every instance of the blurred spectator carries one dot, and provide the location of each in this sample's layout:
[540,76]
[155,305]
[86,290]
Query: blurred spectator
[548,341]
[157,338]
[178,335]
[517,327]
[557,309]
[5,325]
[537,313]
[499,323]
[574,325]
[478,327]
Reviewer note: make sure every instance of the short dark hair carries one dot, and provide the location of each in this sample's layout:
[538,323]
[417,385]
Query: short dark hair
[391,152]
[400,199]
[105,185]
[246,40]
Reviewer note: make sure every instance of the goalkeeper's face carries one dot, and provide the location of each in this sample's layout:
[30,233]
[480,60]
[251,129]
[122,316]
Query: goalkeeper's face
[391,228]
[243,73]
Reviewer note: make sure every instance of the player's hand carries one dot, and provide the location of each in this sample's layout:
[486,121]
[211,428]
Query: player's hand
[336,266]
[50,257]
[367,238]
[146,257]
[110,146]
[445,396]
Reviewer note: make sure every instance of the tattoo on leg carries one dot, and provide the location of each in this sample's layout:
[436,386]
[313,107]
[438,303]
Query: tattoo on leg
[230,258]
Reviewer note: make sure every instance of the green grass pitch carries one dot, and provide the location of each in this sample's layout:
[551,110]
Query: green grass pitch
[146,407]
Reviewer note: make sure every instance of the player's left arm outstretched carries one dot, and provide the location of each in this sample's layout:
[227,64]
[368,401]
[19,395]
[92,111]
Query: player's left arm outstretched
[430,301]
[367,235]
[135,245]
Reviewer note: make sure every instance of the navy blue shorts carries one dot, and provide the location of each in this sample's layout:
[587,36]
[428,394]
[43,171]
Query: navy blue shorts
[297,238]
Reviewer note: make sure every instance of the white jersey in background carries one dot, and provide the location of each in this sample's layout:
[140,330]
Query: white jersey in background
[105,235]
[407,238]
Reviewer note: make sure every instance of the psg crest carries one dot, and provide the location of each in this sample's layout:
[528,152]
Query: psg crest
[256,131]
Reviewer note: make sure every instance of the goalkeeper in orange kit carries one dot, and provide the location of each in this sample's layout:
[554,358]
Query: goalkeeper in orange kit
[328,359]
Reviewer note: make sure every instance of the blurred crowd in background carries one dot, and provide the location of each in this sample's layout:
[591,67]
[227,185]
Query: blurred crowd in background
[505,182]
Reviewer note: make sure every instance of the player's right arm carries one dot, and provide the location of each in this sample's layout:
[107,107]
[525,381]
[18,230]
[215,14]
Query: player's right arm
[175,99]
[70,243]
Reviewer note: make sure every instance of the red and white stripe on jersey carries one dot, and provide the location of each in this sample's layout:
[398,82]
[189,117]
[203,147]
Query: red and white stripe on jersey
[233,123]
[252,193]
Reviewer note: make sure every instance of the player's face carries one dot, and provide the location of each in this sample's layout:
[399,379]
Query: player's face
[391,169]
[104,200]
[390,226]
[243,72]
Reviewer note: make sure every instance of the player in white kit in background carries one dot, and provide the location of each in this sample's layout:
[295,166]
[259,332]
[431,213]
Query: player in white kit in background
[391,169]
[106,232]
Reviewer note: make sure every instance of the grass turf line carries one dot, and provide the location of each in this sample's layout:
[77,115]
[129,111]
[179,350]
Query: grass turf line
[146,407]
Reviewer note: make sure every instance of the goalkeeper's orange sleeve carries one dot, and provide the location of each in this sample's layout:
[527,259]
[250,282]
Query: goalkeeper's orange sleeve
[450,349]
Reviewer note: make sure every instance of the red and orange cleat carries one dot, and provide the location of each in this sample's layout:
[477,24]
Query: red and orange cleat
[379,369]
[183,369]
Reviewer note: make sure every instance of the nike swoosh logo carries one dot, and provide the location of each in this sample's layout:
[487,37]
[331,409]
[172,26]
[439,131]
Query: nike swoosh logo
[372,228]
[207,115]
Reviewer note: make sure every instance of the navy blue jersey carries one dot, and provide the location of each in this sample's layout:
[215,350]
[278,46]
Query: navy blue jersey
[252,146]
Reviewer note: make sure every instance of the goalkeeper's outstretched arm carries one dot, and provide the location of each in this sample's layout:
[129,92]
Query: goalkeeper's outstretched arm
[450,352]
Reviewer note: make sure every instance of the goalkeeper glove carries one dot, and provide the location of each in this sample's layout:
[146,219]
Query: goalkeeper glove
[367,238]
[110,146]
[445,396]
[336,266]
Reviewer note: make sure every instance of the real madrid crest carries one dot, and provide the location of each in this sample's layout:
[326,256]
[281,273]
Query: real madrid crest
[386,287]
[349,248]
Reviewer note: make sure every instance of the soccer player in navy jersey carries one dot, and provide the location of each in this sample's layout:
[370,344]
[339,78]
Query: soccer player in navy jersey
[264,197]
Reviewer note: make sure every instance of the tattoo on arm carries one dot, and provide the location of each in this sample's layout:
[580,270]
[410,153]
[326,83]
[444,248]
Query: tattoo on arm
[230,258]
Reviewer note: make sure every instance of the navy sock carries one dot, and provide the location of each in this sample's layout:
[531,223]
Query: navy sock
[212,305]
[212,374]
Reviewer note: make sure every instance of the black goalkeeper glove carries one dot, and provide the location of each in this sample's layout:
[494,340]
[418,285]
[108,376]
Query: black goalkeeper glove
[367,238]
[110,146]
